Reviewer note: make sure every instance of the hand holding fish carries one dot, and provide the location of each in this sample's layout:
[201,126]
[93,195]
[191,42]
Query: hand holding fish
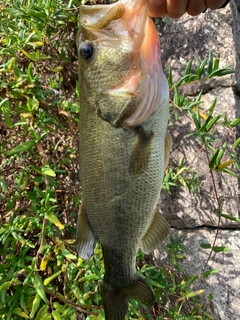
[176,8]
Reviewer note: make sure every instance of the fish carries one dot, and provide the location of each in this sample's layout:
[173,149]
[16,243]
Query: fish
[124,145]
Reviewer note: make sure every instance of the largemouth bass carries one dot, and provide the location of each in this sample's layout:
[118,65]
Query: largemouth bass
[123,149]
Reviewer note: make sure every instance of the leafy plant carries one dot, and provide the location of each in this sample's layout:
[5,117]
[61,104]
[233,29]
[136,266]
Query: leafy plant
[207,122]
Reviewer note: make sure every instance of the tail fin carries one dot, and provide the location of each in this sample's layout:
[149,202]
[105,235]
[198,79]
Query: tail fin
[115,299]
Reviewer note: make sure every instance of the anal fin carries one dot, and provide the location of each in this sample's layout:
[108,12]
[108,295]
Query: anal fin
[155,234]
[86,239]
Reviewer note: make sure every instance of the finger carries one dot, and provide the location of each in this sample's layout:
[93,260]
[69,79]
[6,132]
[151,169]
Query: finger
[157,8]
[215,4]
[176,8]
[196,7]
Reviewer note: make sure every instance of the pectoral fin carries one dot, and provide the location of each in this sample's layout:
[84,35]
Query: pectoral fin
[140,152]
[86,239]
[156,233]
[167,148]
[116,106]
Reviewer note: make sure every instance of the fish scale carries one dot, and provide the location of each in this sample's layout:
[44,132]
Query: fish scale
[121,160]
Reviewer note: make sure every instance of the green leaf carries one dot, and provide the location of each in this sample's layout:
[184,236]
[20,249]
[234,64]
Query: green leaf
[205,245]
[35,168]
[90,277]
[196,121]
[187,70]
[221,249]
[216,62]
[203,127]
[191,280]
[235,122]
[11,63]
[58,306]
[211,108]
[181,162]
[198,60]
[209,272]
[176,98]
[213,159]
[170,79]
[202,66]
[233,156]
[49,279]
[23,147]
[46,317]
[231,172]
[38,285]
[42,312]
[210,296]
[5,286]
[230,217]
[53,219]
[210,62]
[5,101]
[193,104]
[220,73]
[212,122]
[191,77]
[67,254]
[56,315]
[194,293]
[3,184]
[221,153]
[46,170]
[199,97]
[23,301]
[7,117]
[18,311]
[30,56]
[154,283]
[35,305]
[236,143]
[185,78]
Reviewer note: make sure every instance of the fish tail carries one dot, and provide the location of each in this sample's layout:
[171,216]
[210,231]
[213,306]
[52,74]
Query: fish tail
[115,299]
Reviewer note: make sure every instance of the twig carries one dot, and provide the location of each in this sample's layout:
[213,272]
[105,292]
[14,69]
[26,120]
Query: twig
[75,305]
[219,207]
[177,107]
[42,242]
[13,210]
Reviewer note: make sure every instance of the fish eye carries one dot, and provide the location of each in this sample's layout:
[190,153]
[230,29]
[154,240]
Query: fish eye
[86,50]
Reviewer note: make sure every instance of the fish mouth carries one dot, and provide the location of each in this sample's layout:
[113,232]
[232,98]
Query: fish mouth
[100,16]
[131,16]
[127,23]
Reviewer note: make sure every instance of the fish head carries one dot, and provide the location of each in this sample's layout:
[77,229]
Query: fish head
[119,57]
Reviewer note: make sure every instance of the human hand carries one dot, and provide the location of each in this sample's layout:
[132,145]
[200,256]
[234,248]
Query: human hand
[176,8]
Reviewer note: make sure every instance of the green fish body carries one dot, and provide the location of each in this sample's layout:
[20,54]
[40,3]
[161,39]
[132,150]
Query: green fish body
[123,149]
